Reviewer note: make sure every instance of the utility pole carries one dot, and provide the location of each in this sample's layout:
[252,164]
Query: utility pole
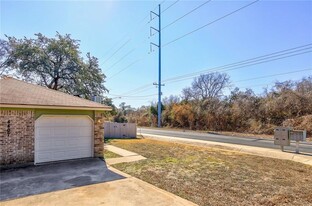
[159,59]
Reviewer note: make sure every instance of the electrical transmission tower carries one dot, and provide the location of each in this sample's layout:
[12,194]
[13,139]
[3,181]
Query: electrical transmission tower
[152,30]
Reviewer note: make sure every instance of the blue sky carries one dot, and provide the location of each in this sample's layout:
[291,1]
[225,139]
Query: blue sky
[104,26]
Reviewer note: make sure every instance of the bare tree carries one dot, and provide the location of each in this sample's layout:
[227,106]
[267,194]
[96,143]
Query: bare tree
[207,86]
[172,99]
[304,86]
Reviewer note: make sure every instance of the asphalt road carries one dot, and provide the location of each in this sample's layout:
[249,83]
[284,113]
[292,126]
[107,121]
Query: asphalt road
[249,141]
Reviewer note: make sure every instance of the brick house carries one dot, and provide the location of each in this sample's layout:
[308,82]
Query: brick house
[40,125]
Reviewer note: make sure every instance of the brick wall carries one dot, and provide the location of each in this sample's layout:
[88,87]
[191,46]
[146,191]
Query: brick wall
[16,136]
[17,129]
[98,134]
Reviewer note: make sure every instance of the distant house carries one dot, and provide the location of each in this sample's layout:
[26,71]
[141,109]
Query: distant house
[40,125]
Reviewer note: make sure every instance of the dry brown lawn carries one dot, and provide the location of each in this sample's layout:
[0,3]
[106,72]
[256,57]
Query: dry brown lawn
[216,176]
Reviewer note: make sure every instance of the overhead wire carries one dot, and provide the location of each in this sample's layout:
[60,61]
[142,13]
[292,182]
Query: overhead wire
[250,60]
[243,66]
[274,75]
[119,48]
[142,57]
[116,95]
[232,66]
[216,20]
[127,67]
[118,61]
[181,17]
[129,37]
[170,6]
[154,10]
[243,80]
[266,76]
[207,25]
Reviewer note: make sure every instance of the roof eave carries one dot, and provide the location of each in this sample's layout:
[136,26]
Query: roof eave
[105,108]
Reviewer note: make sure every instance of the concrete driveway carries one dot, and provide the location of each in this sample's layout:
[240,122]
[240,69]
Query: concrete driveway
[32,180]
[129,191]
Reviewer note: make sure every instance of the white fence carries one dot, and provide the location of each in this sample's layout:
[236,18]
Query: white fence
[120,130]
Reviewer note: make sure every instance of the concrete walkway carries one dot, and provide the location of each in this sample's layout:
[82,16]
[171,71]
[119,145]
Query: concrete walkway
[127,156]
[265,152]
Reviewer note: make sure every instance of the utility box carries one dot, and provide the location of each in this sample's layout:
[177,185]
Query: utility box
[281,136]
[298,135]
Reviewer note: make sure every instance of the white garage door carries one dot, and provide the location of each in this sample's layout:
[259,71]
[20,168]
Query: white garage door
[63,137]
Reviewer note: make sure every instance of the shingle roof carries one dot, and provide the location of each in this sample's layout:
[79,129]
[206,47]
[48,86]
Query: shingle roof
[18,93]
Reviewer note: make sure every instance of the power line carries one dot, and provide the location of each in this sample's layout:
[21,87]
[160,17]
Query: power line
[186,14]
[113,47]
[138,99]
[274,75]
[128,42]
[191,32]
[130,97]
[170,6]
[255,78]
[236,65]
[128,34]
[243,66]
[248,86]
[178,80]
[139,59]
[257,85]
[251,60]
[133,63]
[154,10]
[261,77]
[137,89]
[255,59]
[127,54]
[116,95]
[123,45]
[130,39]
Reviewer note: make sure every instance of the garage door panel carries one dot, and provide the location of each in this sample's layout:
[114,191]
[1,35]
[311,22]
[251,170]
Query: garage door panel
[44,132]
[66,137]
[79,131]
[45,156]
[70,153]
[59,122]
[78,122]
[52,121]
[61,143]
[43,146]
[61,132]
